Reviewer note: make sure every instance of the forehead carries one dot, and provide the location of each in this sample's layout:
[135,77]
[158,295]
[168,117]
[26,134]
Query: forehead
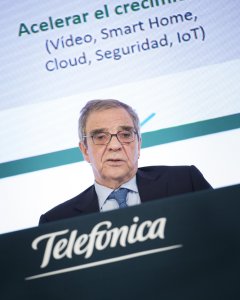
[109,119]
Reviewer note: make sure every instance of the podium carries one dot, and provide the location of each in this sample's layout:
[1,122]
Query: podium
[184,247]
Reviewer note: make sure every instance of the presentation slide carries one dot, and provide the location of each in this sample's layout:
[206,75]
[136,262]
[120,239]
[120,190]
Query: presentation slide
[176,62]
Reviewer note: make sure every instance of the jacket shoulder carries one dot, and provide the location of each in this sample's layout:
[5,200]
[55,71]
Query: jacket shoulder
[176,176]
[68,208]
[164,170]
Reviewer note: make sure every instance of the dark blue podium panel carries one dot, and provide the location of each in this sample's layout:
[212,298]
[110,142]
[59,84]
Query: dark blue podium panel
[185,247]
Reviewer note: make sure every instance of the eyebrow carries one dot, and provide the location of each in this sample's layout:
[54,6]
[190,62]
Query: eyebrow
[99,130]
[126,128]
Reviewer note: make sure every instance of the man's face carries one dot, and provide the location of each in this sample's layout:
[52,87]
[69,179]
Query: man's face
[114,163]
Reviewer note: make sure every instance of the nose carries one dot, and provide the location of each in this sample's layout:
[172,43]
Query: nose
[114,143]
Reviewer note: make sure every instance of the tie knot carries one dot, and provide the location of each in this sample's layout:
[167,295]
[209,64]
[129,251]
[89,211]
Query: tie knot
[120,196]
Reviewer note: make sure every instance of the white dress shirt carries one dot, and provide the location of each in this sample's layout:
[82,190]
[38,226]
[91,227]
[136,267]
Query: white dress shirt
[103,192]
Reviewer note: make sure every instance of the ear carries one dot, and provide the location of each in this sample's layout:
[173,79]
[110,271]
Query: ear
[84,151]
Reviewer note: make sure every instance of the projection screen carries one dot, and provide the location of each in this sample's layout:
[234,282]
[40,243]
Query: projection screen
[175,62]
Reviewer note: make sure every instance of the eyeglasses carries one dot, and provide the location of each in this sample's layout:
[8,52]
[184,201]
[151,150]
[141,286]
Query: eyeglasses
[104,138]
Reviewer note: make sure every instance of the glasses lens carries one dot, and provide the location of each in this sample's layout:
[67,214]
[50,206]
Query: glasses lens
[125,136]
[101,138]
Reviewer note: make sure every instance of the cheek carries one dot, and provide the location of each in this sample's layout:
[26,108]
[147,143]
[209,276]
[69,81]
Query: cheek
[133,154]
[95,157]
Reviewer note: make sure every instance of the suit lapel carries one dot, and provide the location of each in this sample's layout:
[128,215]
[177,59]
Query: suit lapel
[88,201]
[150,185]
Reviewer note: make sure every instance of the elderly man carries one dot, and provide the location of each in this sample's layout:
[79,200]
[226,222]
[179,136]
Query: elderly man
[110,141]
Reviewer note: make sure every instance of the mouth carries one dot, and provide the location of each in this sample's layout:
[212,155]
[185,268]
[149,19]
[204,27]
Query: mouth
[115,162]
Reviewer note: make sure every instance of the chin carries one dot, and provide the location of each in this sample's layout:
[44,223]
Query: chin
[120,177]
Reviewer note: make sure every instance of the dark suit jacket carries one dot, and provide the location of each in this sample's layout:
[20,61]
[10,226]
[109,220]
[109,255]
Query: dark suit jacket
[153,183]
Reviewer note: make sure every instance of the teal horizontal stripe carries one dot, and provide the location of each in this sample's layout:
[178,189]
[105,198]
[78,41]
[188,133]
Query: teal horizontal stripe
[187,131]
[150,139]
[40,162]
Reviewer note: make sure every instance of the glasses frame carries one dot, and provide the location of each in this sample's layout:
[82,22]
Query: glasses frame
[111,135]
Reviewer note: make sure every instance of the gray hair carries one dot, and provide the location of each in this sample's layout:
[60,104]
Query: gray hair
[99,105]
